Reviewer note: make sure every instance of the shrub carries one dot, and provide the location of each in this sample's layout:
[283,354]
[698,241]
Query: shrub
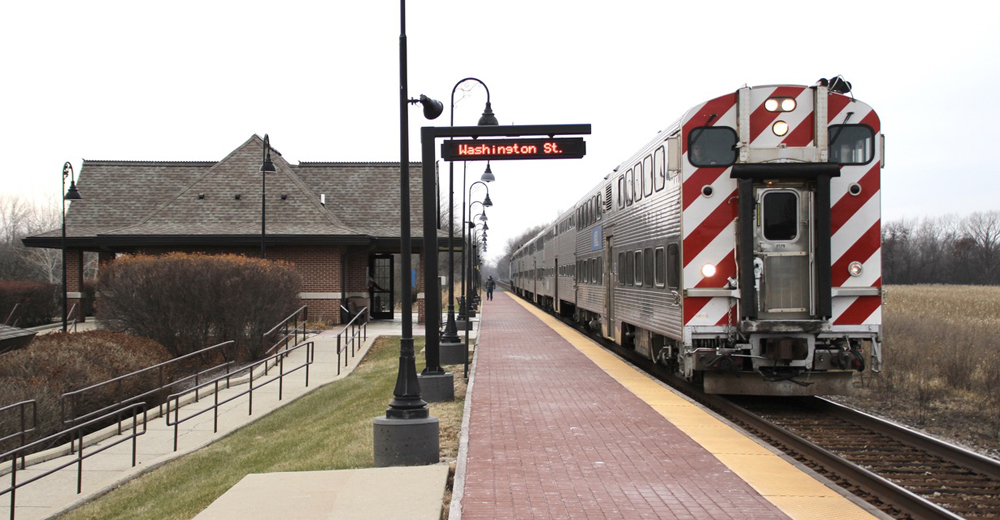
[58,363]
[190,301]
[37,302]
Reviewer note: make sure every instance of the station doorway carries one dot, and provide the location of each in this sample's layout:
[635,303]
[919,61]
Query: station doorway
[381,286]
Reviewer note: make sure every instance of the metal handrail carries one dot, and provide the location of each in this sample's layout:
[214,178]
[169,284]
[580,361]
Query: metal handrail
[11,315]
[77,433]
[23,431]
[287,334]
[173,400]
[70,313]
[75,395]
[356,329]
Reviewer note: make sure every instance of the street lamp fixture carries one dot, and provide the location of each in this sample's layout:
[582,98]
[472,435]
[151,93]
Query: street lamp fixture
[488,174]
[450,335]
[266,167]
[72,194]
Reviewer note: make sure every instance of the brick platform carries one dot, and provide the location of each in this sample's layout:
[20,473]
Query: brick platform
[551,435]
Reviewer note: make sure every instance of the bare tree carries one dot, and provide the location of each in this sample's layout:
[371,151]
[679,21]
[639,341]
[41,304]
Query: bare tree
[19,219]
[984,230]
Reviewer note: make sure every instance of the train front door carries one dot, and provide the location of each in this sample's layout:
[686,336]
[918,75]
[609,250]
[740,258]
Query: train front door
[784,260]
[381,286]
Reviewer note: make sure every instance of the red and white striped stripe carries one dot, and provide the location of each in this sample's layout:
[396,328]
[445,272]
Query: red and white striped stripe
[709,223]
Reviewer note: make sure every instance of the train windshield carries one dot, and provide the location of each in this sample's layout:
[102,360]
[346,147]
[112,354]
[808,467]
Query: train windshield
[712,146]
[851,144]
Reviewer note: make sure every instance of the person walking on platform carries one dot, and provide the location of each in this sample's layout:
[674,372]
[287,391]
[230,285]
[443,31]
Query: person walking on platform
[490,285]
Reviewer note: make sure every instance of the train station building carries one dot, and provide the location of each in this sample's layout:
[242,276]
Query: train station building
[337,222]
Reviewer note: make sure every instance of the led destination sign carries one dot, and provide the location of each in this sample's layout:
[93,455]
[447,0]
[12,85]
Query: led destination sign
[513,149]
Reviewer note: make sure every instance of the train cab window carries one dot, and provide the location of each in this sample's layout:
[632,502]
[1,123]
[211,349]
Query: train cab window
[659,168]
[638,268]
[647,256]
[629,268]
[637,169]
[780,215]
[712,146]
[621,268]
[628,187]
[647,175]
[673,266]
[851,144]
[660,261]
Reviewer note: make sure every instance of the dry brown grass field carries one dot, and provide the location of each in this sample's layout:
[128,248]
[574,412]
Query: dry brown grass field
[941,374]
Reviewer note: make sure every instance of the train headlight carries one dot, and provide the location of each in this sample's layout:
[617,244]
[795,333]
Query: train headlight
[855,268]
[779,128]
[708,270]
[780,104]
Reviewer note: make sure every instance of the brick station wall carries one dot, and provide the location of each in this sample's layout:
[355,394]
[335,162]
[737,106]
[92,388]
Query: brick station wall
[319,267]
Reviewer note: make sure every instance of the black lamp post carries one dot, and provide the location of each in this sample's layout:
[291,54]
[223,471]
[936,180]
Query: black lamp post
[485,178]
[407,435]
[72,194]
[266,167]
[450,335]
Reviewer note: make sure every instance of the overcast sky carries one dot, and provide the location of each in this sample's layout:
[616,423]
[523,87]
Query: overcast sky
[192,80]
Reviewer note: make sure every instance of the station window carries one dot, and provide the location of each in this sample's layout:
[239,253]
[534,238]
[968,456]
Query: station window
[851,144]
[659,168]
[712,146]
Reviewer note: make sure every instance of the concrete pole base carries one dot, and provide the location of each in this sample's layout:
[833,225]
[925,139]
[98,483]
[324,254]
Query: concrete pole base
[452,354]
[406,442]
[437,388]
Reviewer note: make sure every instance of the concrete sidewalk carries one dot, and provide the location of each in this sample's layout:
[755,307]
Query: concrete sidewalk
[103,472]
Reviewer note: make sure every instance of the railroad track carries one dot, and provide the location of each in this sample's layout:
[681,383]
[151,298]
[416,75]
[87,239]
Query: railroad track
[903,473]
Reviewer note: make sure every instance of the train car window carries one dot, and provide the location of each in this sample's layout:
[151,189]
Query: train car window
[660,259]
[599,207]
[621,268]
[659,169]
[600,271]
[621,191]
[712,146]
[781,215]
[638,181]
[629,268]
[673,266]
[638,268]
[647,175]
[851,144]
[647,256]
[592,270]
[628,187]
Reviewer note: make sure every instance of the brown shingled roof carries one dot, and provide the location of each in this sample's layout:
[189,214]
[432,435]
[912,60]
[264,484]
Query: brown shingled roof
[132,200]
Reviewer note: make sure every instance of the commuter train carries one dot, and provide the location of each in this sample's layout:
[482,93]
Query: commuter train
[741,247]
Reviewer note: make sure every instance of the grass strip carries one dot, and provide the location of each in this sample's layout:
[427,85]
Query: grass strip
[328,429]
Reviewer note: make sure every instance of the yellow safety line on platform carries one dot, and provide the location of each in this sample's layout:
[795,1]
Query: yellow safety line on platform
[795,492]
